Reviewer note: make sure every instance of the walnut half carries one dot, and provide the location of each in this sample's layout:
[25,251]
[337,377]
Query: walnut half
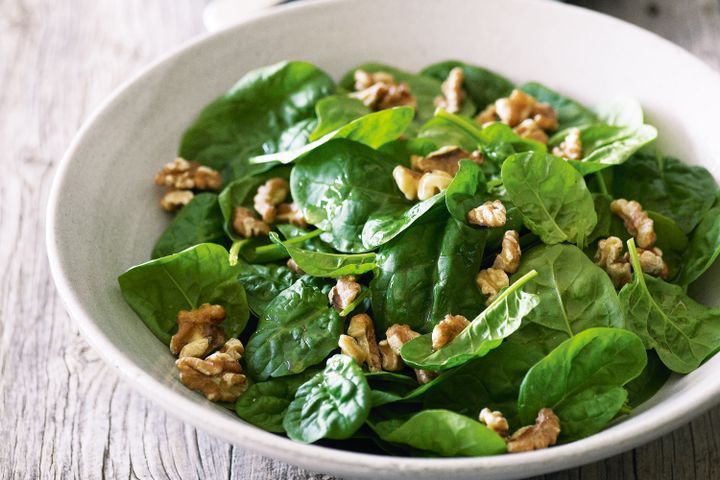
[360,342]
[489,214]
[397,336]
[609,258]
[269,195]
[452,91]
[490,281]
[246,225]
[448,328]
[508,259]
[637,222]
[219,377]
[198,331]
[495,421]
[541,435]
[344,292]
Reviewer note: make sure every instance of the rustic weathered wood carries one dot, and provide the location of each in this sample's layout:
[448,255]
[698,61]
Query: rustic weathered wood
[63,412]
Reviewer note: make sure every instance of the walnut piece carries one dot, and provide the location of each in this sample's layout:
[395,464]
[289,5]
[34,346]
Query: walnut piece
[541,435]
[407,181]
[432,183]
[176,199]
[489,214]
[269,195]
[290,213]
[350,347]
[246,225]
[391,361]
[183,175]
[490,281]
[397,336]
[495,421]
[362,331]
[293,266]
[379,91]
[488,115]
[198,331]
[452,91]
[508,259]
[571,146]
[528,117]
[219,377]
[447,329]
[651,262]
[344,292]
[637,222]
[609,258]
[445,159]
[531,130]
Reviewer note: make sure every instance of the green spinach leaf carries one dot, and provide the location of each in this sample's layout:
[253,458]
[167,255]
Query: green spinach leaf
[200,221]
[263,283]
[480,84]
[333,404]
[297,330]
[582,380]
[157,290]
[486,331]
[649,382]
[552,196]
[271,109]
[336,111]
[570,113]
[704,247]
[442,432]
[682,331]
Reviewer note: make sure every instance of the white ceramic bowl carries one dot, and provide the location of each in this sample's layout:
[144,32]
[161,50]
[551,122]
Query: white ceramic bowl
[103,214]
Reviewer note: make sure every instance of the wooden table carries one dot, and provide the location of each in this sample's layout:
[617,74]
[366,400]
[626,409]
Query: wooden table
[63,412]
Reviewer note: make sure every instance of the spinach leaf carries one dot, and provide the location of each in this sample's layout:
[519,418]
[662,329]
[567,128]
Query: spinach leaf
[342,186]
[333,404]
[682,331]
[424,88]
[480,84]
[607,145]
[570,113]
[467,190]
[297,330]
[621,112]
[704,247]
[649,382]
[240,193]
[389,387]
[271,109]
[322,264]
[574,294]
[264,404]
[263,283]
[374,129]
[335,111]
[157,290]
[668,186]
[428,272]
[582,380]
[200,221]
[551,195]
[442,432]
[486,331]
[671,240]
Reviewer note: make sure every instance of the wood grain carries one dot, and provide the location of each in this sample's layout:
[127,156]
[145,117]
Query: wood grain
[63,412]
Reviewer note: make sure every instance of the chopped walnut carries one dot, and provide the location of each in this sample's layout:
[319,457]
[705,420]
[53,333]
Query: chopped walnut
[397,336]
[541,435]
[362,331]
[344,292]
[176,199]
[350,347]
[445,159]
[379,91]
[490,281]
[488,115]
[531,130]
[452,91]
[571,146]
[246,225]
[407,181]
[198,331]
[508,259]
[448,328]
[433,183]
[183,175]
[637,222]
[391,361]
[293,266]
[651,262]
[290,213]
[489,214]
[609,258]
[219,377]
[269,195]
[495,421]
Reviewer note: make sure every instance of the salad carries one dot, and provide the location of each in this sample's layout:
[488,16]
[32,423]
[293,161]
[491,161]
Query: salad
[440,263]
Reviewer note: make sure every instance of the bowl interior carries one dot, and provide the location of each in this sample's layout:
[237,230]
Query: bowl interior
[104,215]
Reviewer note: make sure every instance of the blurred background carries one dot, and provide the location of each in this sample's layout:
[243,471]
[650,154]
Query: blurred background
[64,413]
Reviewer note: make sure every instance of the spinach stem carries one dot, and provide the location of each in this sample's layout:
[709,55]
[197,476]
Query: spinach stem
[601,183]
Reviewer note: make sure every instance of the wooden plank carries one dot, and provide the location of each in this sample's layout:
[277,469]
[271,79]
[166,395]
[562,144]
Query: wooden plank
[63,412]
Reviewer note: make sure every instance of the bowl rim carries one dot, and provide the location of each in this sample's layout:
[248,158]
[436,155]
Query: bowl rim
[626,435]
